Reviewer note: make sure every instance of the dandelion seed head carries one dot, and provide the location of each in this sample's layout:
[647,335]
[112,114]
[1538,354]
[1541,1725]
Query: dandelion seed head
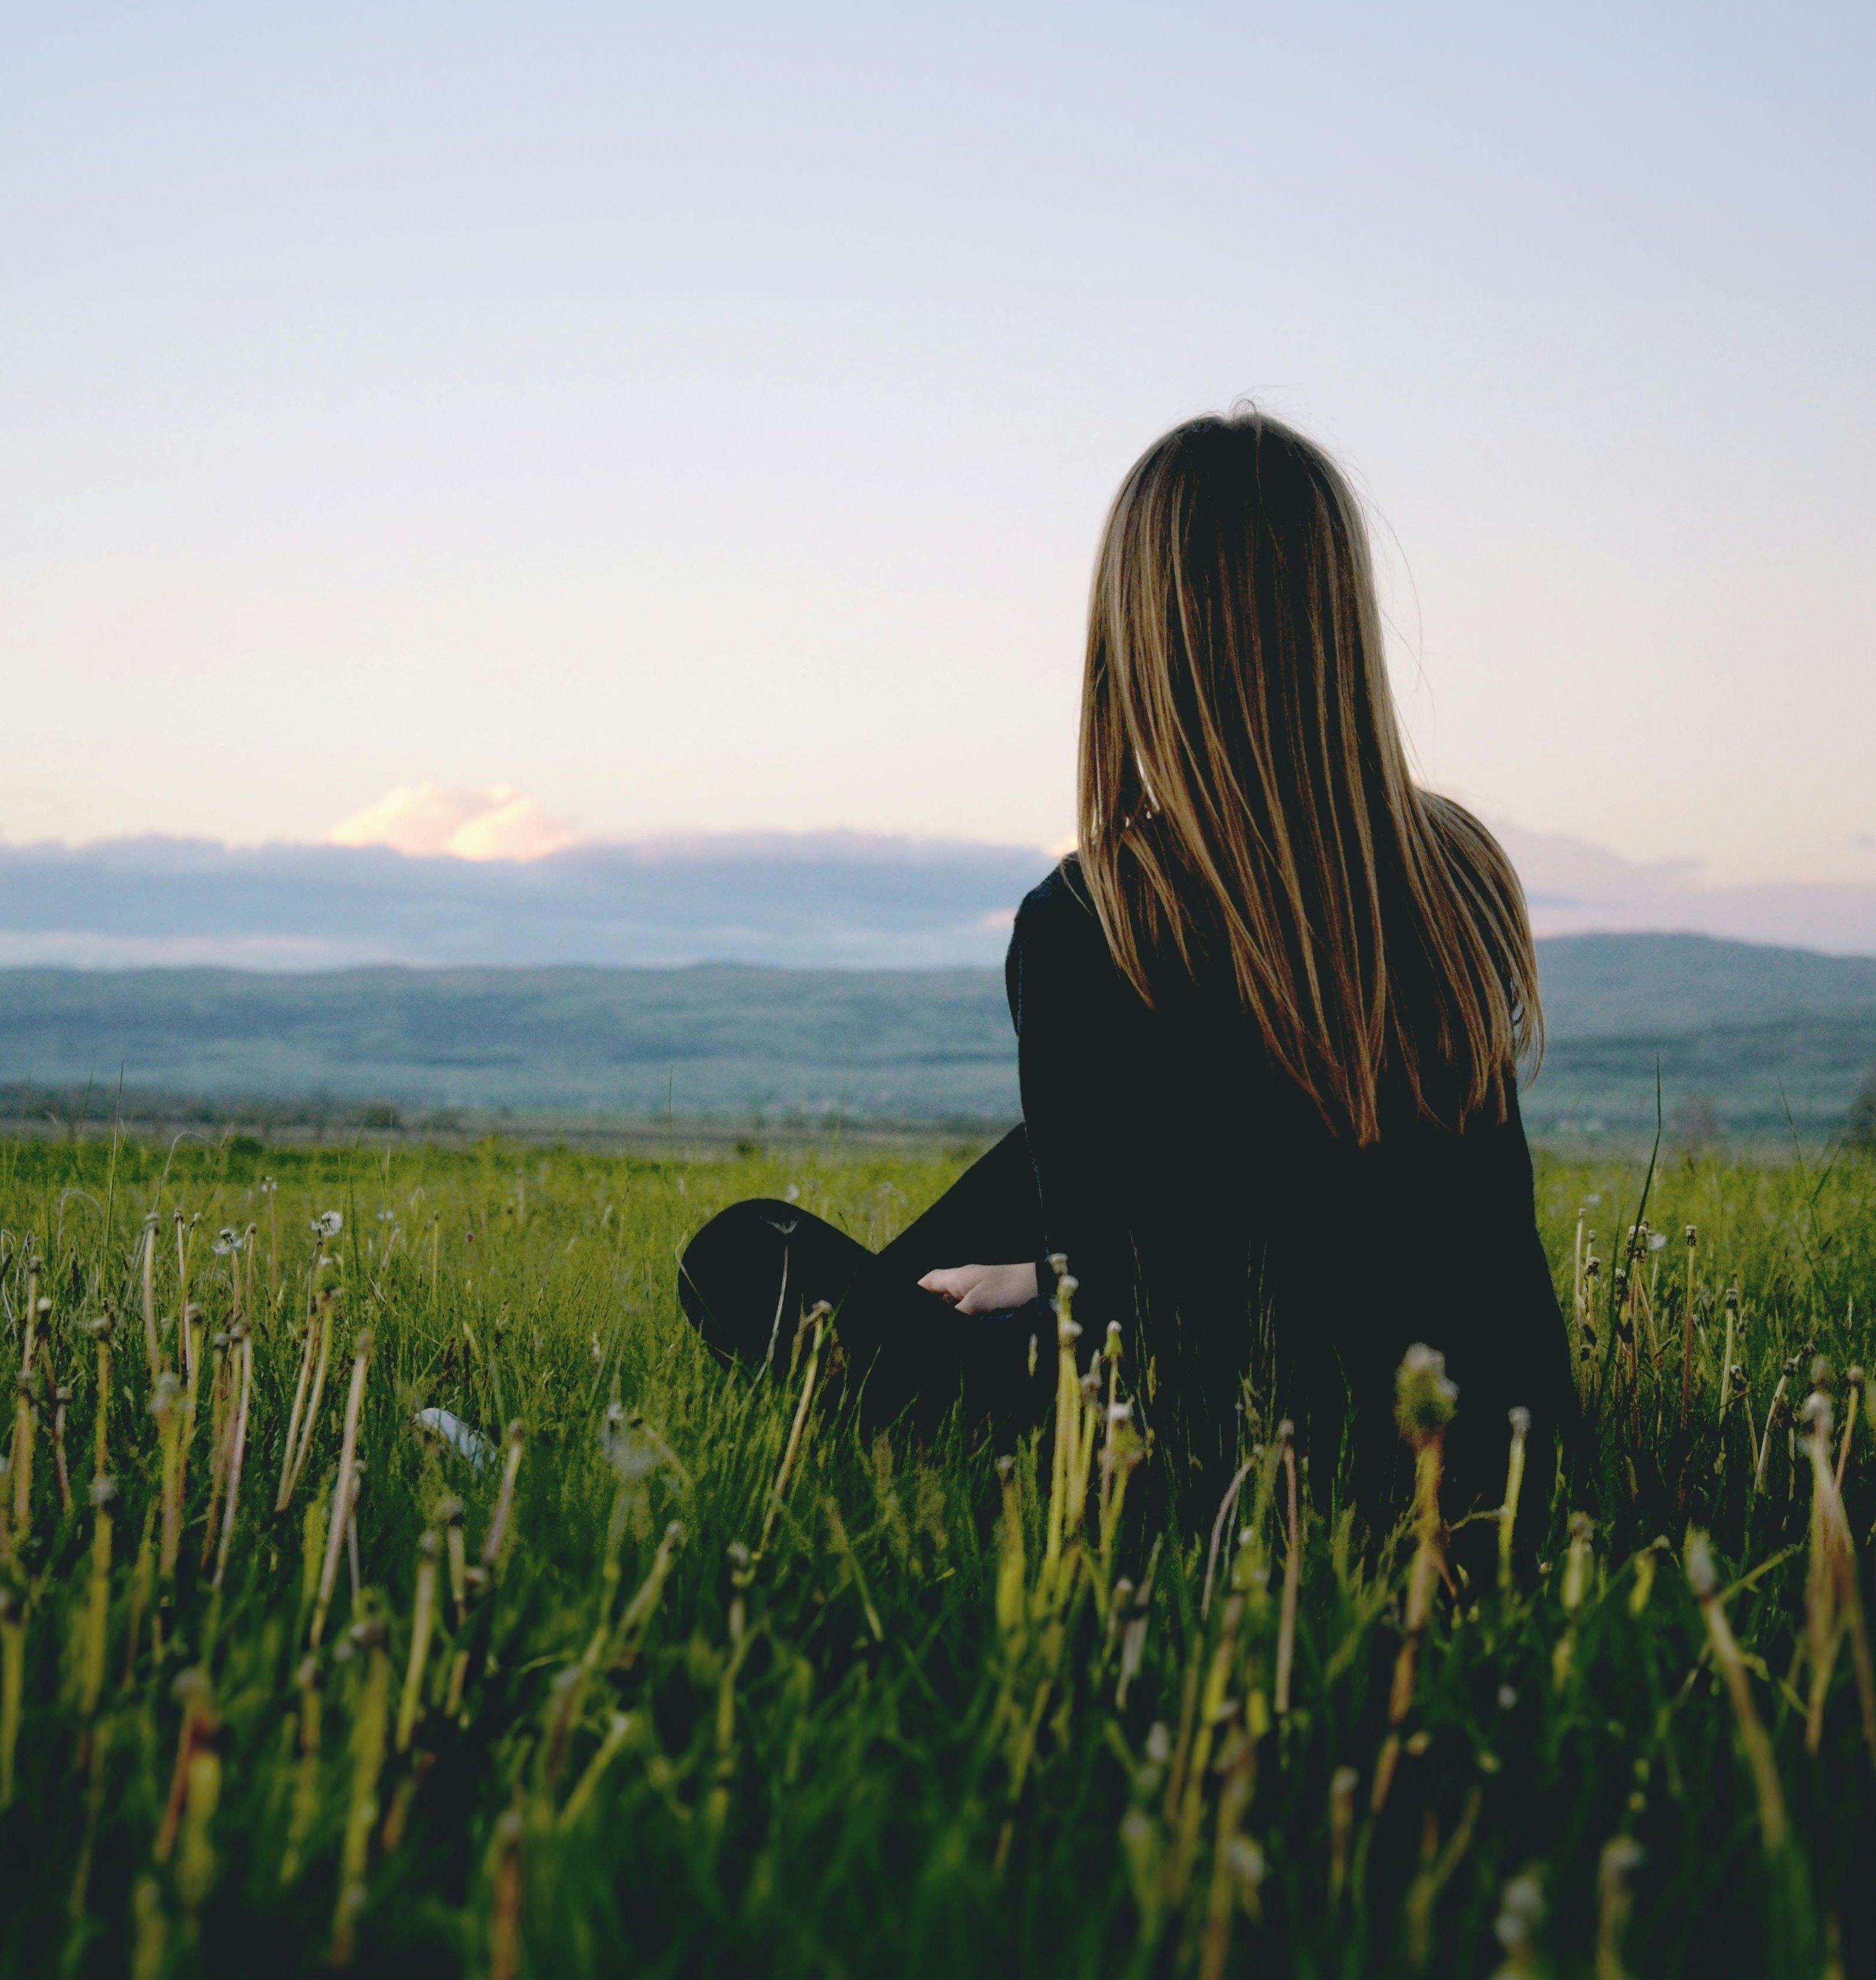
[629,1451]
[1245,1861]
[1622,1856]
[1520,1911]
[1702,1576]
[1425,1396]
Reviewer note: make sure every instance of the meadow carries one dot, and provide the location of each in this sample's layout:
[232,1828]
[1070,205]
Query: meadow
[390,1581]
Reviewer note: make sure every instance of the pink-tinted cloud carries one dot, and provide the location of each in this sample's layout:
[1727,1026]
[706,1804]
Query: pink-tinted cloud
[428,821]
[1576,888]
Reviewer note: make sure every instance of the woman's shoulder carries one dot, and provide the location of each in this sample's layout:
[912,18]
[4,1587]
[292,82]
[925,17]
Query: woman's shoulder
[1059,910]
[1057,948]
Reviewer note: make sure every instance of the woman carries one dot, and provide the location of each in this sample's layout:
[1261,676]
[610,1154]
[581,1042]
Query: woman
[1268,1021]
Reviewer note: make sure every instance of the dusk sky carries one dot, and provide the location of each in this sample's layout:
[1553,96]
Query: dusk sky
[700,421]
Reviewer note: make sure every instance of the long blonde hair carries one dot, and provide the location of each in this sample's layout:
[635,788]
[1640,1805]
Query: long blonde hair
[1245,798]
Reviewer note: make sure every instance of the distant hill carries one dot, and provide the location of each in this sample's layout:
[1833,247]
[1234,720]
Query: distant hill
[1740,1031]
[715,1037]
[1662,986]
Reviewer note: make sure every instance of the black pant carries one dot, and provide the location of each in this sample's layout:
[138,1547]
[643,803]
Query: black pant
[750,1272]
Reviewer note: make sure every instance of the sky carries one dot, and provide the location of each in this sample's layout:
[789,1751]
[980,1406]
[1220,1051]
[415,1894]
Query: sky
[562,423]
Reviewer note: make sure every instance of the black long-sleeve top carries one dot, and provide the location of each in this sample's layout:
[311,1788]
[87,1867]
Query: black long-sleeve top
[1201,1200]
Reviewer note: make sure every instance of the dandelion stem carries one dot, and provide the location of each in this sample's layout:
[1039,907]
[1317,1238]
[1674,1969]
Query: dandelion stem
[344,1486]
[495,1541]
[1703,1579]
[422,1620]
[291,1441]
[1514,1489]
[245,1356]
[777,1492]
[1687,1332]
[618,1730]
[1292,1572]
[12,1687]
[152,1346]
[362,1810]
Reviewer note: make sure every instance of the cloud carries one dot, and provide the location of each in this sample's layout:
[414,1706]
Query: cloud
[494,895]
[845,899]
[427,821]
[1576,887]
[88,948]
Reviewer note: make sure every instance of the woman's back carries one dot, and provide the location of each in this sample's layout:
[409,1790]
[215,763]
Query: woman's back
[1203,1201]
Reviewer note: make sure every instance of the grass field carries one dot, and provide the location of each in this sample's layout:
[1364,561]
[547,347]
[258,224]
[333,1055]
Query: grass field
[673,1674]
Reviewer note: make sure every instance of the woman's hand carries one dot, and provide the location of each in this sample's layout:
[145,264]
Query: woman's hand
[982,1288]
